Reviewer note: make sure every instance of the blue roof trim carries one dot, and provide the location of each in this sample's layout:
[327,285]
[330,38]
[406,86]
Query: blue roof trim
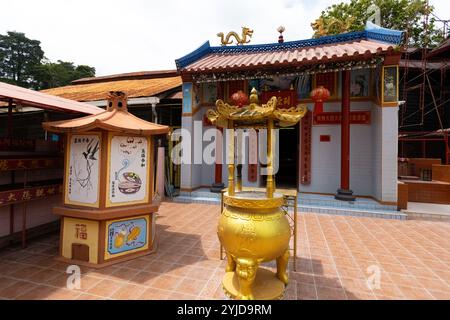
[289,45]
[195,55]
[378,33]
[371,31]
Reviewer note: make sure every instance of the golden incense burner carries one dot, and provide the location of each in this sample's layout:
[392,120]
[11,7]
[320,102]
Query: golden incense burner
[253,228]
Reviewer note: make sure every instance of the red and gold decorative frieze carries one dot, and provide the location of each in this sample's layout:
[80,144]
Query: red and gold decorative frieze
[27,164]
[34,193]
[17,144]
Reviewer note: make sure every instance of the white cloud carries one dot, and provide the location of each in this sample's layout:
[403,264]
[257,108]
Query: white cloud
[123,36]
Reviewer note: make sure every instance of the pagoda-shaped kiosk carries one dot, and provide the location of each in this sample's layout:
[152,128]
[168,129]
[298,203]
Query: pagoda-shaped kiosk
[108,194]
[253,228]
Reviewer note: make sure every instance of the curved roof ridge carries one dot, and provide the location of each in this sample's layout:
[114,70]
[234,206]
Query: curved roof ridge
[113,120]
[372,32]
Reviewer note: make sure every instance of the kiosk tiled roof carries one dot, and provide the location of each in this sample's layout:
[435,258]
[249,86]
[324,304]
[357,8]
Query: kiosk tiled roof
[112,120]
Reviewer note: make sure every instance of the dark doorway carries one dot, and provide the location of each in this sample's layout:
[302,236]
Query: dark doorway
[287,175]
[80,252]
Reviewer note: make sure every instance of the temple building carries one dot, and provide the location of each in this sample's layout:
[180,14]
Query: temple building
[345,146]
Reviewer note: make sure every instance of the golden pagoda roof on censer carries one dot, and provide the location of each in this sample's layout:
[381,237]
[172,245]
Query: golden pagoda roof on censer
[255,115]
[116,118]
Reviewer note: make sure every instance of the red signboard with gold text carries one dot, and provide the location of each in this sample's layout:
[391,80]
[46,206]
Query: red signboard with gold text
[356,117]
[24,164]
[305,158]
[32,193]
[285,98]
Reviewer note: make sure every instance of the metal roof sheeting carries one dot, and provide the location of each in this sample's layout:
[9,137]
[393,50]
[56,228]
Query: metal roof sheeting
[42,100]
[133,88]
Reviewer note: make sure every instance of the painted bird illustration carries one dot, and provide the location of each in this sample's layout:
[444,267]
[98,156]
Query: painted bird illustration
[90,153]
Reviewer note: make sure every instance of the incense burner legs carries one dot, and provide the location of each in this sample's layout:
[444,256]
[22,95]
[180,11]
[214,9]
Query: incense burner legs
[253,229]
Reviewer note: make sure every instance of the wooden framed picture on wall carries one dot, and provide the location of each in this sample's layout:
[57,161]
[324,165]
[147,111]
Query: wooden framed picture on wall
[304,86]
[389,92]
[208,93]
[360,83]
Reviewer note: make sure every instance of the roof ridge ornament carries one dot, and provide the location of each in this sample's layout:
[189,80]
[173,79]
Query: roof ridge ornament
[375,14]
[117,100]
[240,40]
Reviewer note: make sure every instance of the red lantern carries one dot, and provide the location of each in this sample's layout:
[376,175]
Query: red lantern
[319,96]
[239,98]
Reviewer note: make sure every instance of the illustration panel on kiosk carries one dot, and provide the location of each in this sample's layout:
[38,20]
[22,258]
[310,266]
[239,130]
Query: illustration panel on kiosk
[82,187]
[128,170]
[126,236]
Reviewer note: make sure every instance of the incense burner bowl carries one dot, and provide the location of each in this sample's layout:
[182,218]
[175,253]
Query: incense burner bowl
[253,229]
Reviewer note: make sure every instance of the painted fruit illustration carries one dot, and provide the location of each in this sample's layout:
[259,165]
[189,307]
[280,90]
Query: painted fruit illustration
[132,183]
[120,239]
[134,233]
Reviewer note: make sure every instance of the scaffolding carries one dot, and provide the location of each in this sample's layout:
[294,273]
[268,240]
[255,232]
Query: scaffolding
[426,100]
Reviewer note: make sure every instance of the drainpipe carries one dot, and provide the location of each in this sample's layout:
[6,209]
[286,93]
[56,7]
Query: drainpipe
[155,114]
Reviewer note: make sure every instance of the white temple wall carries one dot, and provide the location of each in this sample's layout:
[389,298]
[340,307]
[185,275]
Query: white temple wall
[206,171]
[377,151]
[325,160]
[198,173]
[186,174]
[326,156]
[385,146]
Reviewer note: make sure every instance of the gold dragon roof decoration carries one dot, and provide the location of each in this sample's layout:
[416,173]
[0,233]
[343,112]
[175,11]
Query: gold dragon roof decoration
[255,114]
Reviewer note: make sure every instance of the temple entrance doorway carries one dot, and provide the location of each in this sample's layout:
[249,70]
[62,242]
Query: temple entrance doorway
[288,155]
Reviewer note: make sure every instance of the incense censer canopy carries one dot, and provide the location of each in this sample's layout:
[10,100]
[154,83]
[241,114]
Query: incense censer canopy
[253,228]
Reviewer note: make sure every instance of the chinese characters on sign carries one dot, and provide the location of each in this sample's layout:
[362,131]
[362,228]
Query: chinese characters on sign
[305,160]
[81,231]
[9,197]
[15,164]
[356,117]
[285,98]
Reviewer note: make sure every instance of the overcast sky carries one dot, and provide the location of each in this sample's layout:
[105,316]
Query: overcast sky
[135,35]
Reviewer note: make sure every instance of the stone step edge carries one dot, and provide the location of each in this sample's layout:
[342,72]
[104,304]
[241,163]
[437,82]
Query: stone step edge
[317,202]
[412,215]
[316,209]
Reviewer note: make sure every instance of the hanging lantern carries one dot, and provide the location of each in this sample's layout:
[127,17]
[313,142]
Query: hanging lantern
[239,98]
[319,96]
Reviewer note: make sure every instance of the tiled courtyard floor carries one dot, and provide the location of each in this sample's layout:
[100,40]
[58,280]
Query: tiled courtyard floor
[336,257]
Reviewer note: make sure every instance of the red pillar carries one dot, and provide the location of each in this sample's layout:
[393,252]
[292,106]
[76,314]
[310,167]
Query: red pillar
[218,171]
[10,123]
[344,193]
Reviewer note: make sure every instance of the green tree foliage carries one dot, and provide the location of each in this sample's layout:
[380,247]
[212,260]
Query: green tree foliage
[19,57]
[61,73]
[22,63]
[406,15]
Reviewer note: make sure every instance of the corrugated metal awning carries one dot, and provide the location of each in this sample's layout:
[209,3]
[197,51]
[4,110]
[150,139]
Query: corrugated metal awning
[27,97]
